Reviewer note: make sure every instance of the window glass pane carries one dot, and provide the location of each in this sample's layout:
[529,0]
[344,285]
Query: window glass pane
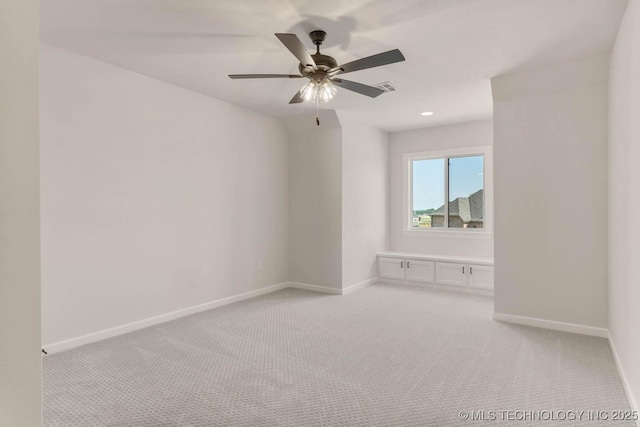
[428,193]
[466,192]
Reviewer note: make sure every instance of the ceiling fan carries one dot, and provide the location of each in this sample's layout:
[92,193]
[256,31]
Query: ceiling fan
[321,70]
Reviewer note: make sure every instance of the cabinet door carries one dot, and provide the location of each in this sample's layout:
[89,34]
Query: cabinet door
[448,273]
[481,276]
[391,268]
[420,271]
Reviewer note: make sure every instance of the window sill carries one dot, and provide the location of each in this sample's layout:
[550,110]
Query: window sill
[447,234]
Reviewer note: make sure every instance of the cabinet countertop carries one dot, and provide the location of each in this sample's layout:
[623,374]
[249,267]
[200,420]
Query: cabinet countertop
[442,258]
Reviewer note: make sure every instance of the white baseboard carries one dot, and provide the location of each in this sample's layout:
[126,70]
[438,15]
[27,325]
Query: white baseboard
[315,288]
[623,378]
[140,324]
[576,329]
[359,285]
[151,321]
[552,324]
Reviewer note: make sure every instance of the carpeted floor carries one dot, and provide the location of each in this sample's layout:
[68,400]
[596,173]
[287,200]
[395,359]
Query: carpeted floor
[382,356]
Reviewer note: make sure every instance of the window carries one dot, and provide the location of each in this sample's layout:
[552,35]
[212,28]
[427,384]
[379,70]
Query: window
[466,192]
[447,191]
[428,192]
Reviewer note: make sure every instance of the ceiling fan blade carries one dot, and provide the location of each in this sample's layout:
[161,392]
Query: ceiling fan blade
[358,87]
[265,76]
[297,98]
[373,61]
[293,43]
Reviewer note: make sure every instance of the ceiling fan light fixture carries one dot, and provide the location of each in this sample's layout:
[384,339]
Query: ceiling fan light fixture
[315,91]
[309,91]
[327,91]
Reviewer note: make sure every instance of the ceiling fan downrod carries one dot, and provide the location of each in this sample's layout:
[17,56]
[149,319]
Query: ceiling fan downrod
[317,37]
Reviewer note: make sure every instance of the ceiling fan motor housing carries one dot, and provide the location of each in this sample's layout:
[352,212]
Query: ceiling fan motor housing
[323,62]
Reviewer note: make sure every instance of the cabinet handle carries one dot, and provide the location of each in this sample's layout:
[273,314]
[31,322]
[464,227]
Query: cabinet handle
[408,263]
[462,269]
[401,264]
[470,270]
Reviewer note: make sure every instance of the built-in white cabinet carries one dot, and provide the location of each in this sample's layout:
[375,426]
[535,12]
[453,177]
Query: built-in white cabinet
[481,276]
[391,268]
[449,272]
[466,275]
[409,269]
[420,271]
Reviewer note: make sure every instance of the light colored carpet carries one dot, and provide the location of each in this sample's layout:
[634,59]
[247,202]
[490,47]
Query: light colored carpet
[382,356]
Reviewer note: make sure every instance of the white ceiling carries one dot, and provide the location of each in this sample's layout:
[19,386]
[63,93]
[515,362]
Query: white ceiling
[452,47]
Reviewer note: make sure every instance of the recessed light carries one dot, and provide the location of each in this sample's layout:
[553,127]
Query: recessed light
[427,113]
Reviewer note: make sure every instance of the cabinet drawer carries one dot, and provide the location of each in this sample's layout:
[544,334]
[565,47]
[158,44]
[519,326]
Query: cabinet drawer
[420,271]
[391,268]
[448,273]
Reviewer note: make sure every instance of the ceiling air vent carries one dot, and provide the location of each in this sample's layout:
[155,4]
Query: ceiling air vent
[386,86]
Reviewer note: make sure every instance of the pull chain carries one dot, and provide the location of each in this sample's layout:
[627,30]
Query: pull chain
[317,96]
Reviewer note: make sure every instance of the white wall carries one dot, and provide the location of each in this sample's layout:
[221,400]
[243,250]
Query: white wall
[20,358]
[365,182]
[338,185]
[550,153]
[154,198]
[624,200]
[432,139]
[315,164]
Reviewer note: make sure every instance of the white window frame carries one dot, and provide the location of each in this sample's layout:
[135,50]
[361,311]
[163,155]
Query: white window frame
[468,233]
